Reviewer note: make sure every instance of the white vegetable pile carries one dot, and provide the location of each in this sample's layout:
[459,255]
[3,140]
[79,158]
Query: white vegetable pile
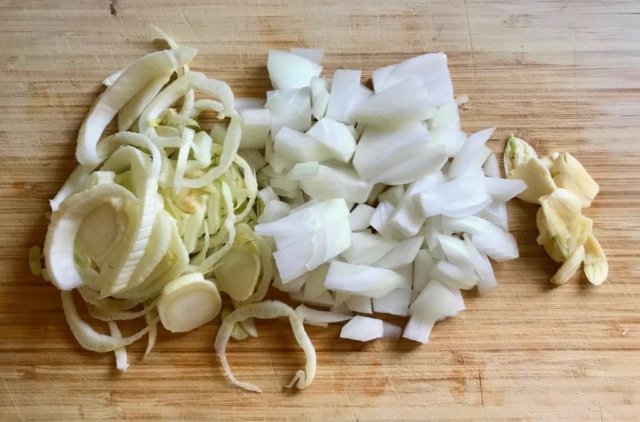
[369,201]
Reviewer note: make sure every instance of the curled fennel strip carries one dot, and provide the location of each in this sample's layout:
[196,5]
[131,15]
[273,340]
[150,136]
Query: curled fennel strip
[229,222]
[87,336]
[152,322]
[268,310]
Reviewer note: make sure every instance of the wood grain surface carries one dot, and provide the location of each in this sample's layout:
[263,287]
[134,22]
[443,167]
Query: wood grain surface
[565,75]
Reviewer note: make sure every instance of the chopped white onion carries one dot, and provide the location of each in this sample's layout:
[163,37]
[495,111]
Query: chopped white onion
[361,279]
[362,329]
[290,70]
[360,217]
[344,95]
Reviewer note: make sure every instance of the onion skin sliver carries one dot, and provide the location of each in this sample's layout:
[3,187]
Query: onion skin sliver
[268,310]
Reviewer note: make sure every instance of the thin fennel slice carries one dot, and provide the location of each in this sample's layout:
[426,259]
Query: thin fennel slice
[87,336]
[120,92]
[268,310]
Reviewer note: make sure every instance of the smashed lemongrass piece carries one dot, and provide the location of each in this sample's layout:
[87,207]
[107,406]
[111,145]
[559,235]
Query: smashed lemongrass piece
[268,310]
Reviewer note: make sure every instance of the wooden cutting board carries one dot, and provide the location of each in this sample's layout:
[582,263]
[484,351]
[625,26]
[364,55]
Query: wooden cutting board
[564,75]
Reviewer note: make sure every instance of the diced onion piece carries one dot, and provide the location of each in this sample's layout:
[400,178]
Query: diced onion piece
[314,286]
[320,88]
[254,158]
[336,181]
[290,108]
[335,137]
[367,248]
[394,303]
[307,220]
[256,124]
[362,280]
[267,195]
[275,210]
[395,156]
[304,171]
[362,329]
[422,267]
[391,331]
[404,102]
[496,213]
[456,251]
[394,195]
[432,70]
[483,268]
[361,304]
[313,54]
[401,255]
[436,302]
[248,102]
[290,70]
[469,151]
[491,167]
[188,302]
[360,217]
[458,198]
[454,276]
[268,310]
[300,147]
[343,99]
[418,329]
[502,190]
[381,219]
